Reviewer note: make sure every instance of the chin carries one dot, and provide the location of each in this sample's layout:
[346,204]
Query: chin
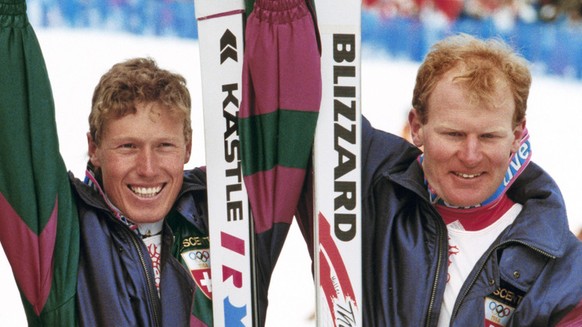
[466,201]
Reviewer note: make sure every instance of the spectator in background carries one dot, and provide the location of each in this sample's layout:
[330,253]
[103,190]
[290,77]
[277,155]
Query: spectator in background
[393,8]
[572,10]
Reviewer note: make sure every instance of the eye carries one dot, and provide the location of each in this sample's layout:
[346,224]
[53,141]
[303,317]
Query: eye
[127,146]
[167,146]
[454,134]
[488,136]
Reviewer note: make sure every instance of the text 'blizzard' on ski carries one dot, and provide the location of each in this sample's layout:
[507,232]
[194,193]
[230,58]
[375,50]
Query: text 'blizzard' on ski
[345,133]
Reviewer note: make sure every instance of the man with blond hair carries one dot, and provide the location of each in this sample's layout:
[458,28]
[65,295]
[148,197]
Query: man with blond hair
[468,231]
[119,248]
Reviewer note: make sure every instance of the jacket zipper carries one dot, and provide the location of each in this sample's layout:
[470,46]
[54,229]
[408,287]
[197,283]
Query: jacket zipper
[438,269]
[459,300]
[151,285]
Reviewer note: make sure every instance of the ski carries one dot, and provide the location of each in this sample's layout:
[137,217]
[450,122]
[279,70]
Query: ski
[337,167]
[221,35]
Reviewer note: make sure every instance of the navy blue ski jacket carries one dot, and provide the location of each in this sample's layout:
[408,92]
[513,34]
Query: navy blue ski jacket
[530,276]
[533,270]
[114,261]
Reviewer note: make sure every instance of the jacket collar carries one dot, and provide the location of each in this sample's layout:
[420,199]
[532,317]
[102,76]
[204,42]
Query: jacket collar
[194,185]
[542,223]
[87,194]
[191,203]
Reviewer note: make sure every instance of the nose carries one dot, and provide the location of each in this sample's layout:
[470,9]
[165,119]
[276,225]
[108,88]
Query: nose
[471,153]
[146,162]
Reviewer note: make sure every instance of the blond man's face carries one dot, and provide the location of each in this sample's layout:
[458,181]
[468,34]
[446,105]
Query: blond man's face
[467,144]
[141,157]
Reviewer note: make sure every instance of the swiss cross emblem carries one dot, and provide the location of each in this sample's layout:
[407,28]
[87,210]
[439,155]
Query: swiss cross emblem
[198,262]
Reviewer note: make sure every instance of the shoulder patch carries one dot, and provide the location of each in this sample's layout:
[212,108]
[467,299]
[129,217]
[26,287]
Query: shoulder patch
[198,263]
[501,304]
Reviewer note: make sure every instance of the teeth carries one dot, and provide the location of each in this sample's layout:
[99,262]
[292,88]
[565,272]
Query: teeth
[146,192]
[468,175]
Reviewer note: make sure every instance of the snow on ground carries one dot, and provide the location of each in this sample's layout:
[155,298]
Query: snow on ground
[76,60]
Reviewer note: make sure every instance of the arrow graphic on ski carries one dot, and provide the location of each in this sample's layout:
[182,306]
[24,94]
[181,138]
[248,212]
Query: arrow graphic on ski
[228,49]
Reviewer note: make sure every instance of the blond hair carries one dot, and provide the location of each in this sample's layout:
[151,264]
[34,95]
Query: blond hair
[483,63]
[135,81]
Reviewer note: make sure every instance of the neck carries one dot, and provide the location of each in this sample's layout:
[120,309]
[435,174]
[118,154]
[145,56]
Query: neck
[478,218]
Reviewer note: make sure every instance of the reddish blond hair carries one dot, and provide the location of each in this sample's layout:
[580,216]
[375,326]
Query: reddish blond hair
[485,65]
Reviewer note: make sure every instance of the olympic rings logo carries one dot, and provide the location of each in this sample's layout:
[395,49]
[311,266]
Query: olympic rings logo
[499,309]
[199,255]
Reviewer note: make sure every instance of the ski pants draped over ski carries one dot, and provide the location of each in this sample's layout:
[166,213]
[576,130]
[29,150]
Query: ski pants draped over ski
[281,97]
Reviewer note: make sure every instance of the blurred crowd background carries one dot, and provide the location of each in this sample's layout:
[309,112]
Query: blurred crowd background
[505,13]
[547,32]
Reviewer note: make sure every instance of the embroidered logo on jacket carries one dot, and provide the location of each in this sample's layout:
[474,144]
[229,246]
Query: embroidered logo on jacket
[501,304]
[198,262]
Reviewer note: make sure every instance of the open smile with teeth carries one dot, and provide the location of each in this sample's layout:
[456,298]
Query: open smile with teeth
[146,192]
[468,176]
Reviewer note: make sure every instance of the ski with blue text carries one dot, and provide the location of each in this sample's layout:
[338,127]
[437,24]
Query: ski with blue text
[337,167]
[221,35]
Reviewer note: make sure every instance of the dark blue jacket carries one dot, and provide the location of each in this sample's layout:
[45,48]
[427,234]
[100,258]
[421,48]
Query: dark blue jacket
[115,280]
[537,261]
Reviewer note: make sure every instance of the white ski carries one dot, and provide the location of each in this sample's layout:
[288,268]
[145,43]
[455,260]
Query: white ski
[220,34]
[337,167]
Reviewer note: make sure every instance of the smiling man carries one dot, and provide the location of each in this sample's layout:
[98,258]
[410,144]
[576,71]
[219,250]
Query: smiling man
[120,248]
[470,232]
[141,157]
[466,140]
[139,140]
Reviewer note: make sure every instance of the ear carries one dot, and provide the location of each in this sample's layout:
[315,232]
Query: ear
[517,135]
[188,152]
[92,149]
[415,128]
